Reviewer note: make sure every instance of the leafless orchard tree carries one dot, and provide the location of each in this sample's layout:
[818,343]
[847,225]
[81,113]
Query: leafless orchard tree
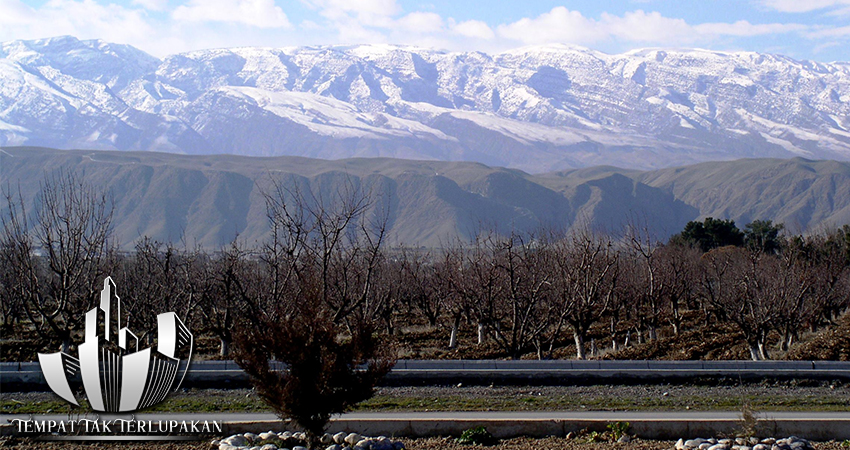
[648,288]
[448,276]
[818,267]
[16,278]
[154,278]
[225,285]
[585,282]
[341,235]
[478,284]
[10,293]
[526,263]
[742,287]
[677,267]
[421,292]
[71,229]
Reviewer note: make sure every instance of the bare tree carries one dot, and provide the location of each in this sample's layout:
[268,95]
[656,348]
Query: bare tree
[314,308]
[420,292]
[448,276]
[677,267]
[225,285]
[10,289]
[585,282]
[155,278]
[71,229]
[817,267]
[18,275]
[742,287]
[340,235]
[479,286]
[526,264]
[648,287]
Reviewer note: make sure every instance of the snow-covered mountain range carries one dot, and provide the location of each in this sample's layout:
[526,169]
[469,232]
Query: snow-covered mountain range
[538,109]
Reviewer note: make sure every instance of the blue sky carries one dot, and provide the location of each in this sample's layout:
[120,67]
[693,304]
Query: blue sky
[802,29]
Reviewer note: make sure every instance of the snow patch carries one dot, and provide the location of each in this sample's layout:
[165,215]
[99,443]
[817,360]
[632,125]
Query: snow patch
[785,144]
[5,126]
[332,117]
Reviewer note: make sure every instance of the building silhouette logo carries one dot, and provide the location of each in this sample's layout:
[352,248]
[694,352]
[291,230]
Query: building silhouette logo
[116,375]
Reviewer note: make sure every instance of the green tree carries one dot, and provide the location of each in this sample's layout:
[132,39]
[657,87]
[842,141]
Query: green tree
[710,233]
[763,235]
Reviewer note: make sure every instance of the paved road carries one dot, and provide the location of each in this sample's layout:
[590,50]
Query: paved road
[227,373]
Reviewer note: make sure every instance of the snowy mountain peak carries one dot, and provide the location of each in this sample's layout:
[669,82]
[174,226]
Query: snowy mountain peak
[537,108]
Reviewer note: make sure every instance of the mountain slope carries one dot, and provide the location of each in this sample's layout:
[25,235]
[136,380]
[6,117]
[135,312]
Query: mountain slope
[538,109]
[210,199]
[801,193]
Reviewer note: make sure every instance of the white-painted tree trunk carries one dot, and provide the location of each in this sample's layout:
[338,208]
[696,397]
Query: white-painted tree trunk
[579,339]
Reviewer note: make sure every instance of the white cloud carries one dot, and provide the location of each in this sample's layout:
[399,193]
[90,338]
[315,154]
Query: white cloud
[743,28]
[825,46]
[348,14]
[13,12]
[420,22]
[85,19]
[374,7]
[564,26]
[255,13]
[800,6]
[640,26]
[198,24]
[473,29]
[557,25]
[830,32]
[153,5]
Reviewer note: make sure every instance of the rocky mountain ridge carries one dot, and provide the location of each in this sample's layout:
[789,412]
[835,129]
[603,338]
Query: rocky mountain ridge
[538,109]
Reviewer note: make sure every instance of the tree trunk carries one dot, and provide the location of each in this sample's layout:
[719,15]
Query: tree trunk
[224,350]
[653,335]
[579,339]
[763,354]
[754,352]
[480,333]
[677,319]
[614,344]
[594,351]
[786,341]
[453,336]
